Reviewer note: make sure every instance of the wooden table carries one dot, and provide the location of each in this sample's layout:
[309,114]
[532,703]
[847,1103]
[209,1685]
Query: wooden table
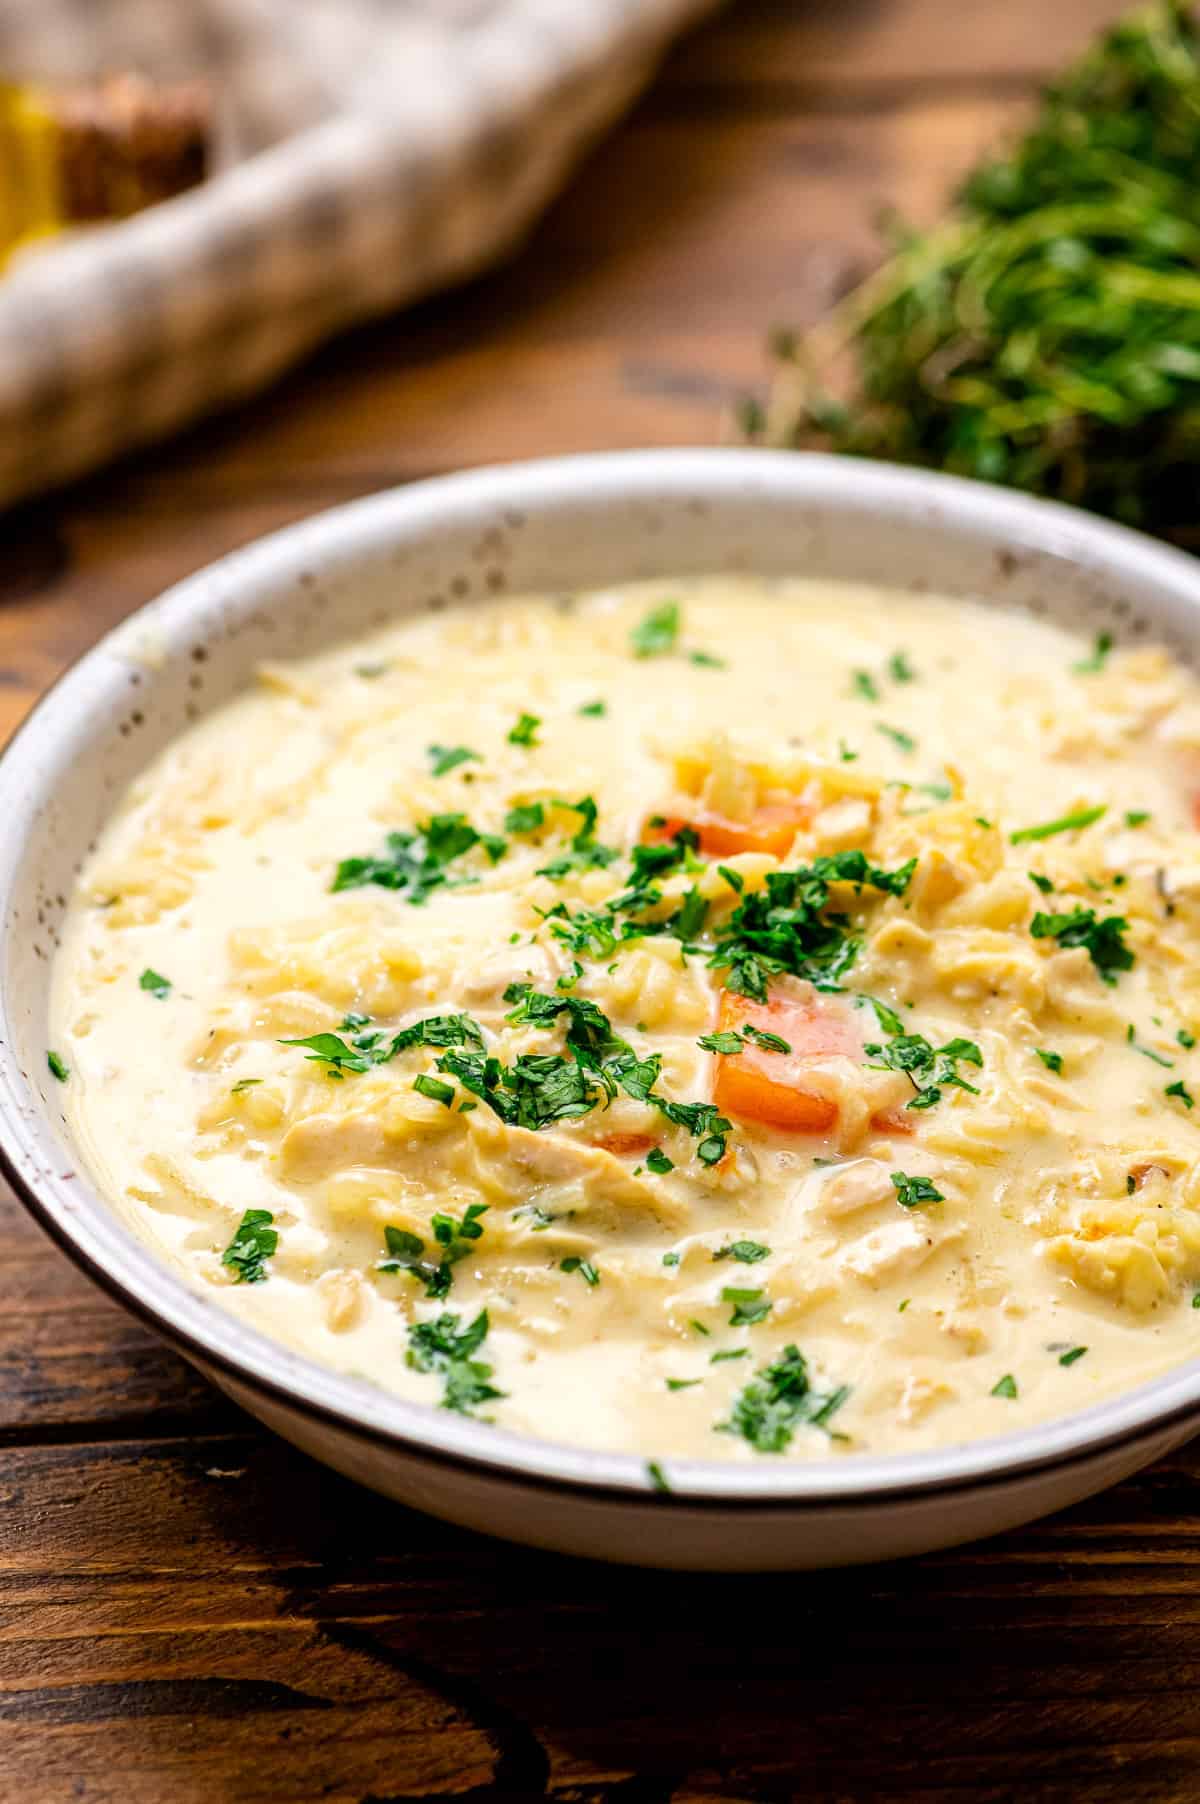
[193,1612]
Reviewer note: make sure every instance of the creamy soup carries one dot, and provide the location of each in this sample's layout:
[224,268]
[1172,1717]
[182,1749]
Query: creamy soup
[730,1018]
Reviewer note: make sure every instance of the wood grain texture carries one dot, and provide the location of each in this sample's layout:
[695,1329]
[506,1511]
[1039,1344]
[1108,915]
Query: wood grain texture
[192,1612]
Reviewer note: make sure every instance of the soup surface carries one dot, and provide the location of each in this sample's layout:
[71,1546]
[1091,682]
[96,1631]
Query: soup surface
[732,1018]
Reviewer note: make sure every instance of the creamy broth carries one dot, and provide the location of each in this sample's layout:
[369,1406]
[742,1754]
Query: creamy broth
[936,1177]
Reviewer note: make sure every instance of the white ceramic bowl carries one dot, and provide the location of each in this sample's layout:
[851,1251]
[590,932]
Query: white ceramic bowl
[561,524]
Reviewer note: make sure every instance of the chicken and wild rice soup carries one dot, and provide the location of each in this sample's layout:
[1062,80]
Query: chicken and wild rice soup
[735,1018]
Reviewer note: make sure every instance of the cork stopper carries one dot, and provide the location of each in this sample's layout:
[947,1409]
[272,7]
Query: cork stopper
[125,142]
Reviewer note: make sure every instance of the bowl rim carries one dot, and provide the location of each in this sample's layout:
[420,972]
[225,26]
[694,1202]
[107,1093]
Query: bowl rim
[71,1210]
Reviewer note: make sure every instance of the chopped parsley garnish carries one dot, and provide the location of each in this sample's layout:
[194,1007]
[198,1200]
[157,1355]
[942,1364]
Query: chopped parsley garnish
[369,672]
[698,1326]
[656,1475]
[734,879]
[58,1066]
[1137,817]
[585,852]
[1071,1355]
[783,927]
[1066,823]
[929,1069]
[1042,883]
[1103,939]
[525,731]
[367,1048]
[899,738]
[594,710]
[682,1384]
[732,1040]
[1181,1090]
[657,1161]
[251,1246]
[416,863]
[1147,1052]
[777,1400]
[434,1089]
[912,1192]
[865,686]
[706,660]
[445,758]
[671,1258]
[845,754]
[899,668]
[749,1306]
[1053,1061]
[445,1347]
[1186,1039]
[525,818]
[656,635]
[155,984]
[584,1267]
[719,1358]
[1005,1387]
[1099,656]
[746,1252]
[244,1083]
[454,1240]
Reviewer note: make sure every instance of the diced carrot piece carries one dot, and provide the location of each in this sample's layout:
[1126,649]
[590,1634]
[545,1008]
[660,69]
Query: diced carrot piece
[624,1146]
[760,1085]
[768,1086]
[771,829]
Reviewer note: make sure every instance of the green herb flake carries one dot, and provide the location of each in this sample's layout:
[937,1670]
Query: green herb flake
[1005,1387]
[749,1306]
[706,661]
[682,1384]
[1071,1355]
[594,710]
[434,1089]
[902,1305]
[252,1245]
[445,1347]
[734,879]
[699,1326]
[864,686]
[584,1267]
[727,1042]
[903,741]
[1104,939]
[656,635]
[657,1161]
[779,1399]
[727,1353]
[1186,1040]
[912,1192]
[899,668]
[656,1475]
[525,818]
[1136,817]
[525,731]
[746,1252]
[155,984]
[670,1258]
[244,1083]
[369,672]
[1091,666]
[1053,1061]
[1041,883]
[1067,823]
[445,758]
[845,754]
[1181,1090]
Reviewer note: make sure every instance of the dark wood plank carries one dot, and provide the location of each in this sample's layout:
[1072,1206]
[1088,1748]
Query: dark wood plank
[241,1624]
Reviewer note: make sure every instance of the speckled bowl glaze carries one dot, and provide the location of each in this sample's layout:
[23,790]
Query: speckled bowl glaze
[562,524]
